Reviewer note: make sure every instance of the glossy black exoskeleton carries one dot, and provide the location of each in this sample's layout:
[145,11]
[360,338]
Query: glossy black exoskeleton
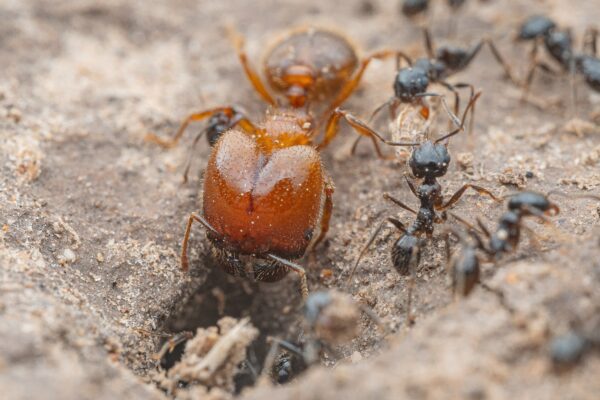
[428,162]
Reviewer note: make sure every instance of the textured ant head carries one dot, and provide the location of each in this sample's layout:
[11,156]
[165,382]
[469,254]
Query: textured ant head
[429,160]
[410,82]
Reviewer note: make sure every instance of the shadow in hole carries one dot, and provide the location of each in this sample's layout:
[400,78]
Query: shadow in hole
[273,308]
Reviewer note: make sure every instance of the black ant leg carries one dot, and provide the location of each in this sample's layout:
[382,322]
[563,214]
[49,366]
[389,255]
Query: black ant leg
[462,121]
[507,69]
[453,118]
[458,194]
[429,43]
[412,266]
[411,186]
[235,113]
[589,40]
[499,295]
[399,225]
[400,204]
[483,228]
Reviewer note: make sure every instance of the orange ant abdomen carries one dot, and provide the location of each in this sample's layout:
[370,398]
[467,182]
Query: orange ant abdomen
[262,201]
[309,65]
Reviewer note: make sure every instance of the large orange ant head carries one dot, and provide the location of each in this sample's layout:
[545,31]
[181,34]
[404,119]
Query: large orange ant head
[298,81]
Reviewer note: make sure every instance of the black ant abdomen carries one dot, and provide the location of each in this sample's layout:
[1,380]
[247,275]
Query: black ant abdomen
[590,69]
[405,250]
[465,271]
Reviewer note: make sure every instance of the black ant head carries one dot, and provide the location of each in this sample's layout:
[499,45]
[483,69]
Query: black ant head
[531,201]
[287,366]
[403,252]
[409,83]
[560,46]
[410,8]
[535,26]
[429,160]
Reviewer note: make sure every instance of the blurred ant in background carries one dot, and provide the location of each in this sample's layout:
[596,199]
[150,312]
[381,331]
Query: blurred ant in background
[429,161]
[559,45]
[465,268]
[267,197]
[331,318]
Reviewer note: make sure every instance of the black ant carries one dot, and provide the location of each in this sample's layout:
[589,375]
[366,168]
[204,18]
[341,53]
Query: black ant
[429,160]
[559,45]
[411,8]
[330,318]
[412,82]
[464,269]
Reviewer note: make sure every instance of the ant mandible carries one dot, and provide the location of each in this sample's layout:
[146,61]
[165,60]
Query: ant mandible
[267,197]
[428,161]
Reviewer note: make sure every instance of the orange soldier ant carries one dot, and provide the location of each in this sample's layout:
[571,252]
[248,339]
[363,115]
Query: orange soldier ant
[267,197]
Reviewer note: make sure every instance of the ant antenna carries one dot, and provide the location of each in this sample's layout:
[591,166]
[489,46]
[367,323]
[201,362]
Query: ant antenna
[462,122]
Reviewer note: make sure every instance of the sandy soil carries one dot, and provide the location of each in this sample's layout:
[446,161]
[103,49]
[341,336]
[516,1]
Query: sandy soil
[91,215]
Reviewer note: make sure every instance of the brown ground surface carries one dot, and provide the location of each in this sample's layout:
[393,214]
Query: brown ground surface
[92,215]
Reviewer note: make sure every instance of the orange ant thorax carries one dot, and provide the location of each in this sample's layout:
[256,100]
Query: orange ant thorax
[285,127]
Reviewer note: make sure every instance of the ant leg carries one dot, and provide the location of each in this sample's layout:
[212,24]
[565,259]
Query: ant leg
[360,127]
[327,210]
[507,69]
[456,196]
[400,204]
[500,295]
[471,104]
[589,40]
[414,259]
[234,113]
[428,43]
[193,217]
[411,186]
[297,269]
[188,164]
[351,84]
[251,74]
[237,119]
[472,93]
[455,93]
[399,225]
